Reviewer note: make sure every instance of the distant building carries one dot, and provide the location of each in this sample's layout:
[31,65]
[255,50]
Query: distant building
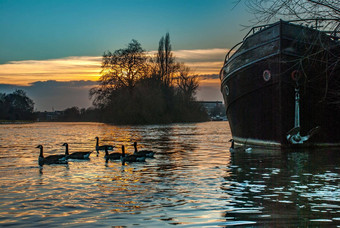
[49,116]
[211,105]
[215,109]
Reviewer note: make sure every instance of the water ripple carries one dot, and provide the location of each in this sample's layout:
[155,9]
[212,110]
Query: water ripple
[193,181]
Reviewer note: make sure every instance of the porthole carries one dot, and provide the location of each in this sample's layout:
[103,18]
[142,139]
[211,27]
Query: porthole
[226,90]
[267,75]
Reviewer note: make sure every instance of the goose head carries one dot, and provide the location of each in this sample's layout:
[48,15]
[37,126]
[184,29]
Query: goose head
[40,147]
[123,151]
[106,156]
[232,143]
[41,156]
[135,146]
[97,142]
[122,158]
[41,151]
[66,146]
[106,151]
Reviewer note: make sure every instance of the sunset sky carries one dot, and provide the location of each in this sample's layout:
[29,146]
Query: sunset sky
[52,49]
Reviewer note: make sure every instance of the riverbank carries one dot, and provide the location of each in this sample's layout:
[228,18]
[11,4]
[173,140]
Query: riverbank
[16,121]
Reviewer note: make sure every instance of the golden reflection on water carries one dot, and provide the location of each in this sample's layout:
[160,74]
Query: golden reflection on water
[193,180]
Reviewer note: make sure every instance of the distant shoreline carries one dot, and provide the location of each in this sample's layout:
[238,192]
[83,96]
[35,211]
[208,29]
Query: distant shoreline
[2,122]
[16,121]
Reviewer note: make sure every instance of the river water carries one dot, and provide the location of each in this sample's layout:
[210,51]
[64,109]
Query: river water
[193,181]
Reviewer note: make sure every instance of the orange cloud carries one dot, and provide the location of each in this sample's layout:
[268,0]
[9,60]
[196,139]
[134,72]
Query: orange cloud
[215,54]
[65,69]
[201,61]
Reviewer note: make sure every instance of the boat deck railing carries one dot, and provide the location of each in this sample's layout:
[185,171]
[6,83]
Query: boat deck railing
[251,32]
[334,34]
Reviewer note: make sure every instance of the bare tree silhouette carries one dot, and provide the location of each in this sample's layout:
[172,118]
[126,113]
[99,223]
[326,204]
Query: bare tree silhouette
[266,11]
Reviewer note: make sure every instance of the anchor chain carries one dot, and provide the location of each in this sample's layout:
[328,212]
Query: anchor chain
[294,136]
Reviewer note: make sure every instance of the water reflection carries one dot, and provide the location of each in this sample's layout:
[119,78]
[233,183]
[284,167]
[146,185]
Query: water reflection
[193,180]
[284,188]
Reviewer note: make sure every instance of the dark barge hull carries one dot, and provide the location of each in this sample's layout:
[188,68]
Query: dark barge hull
[258,86]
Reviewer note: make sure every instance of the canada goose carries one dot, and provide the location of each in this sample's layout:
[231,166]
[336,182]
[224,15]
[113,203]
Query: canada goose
[232,147]
[76,155]
[52,159]
[98,148]
[112,156]
[143,153]
[130,158]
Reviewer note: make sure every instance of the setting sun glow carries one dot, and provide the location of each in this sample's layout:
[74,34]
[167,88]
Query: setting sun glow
[66,69]
[89,67]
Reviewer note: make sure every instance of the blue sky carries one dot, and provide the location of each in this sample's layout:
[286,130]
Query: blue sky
[39,31]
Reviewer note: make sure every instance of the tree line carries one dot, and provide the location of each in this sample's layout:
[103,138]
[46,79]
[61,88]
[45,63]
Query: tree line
[134,88]
[137,89]
[16,106]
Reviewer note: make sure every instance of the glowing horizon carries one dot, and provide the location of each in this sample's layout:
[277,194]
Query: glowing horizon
[74,68]
[66,69]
